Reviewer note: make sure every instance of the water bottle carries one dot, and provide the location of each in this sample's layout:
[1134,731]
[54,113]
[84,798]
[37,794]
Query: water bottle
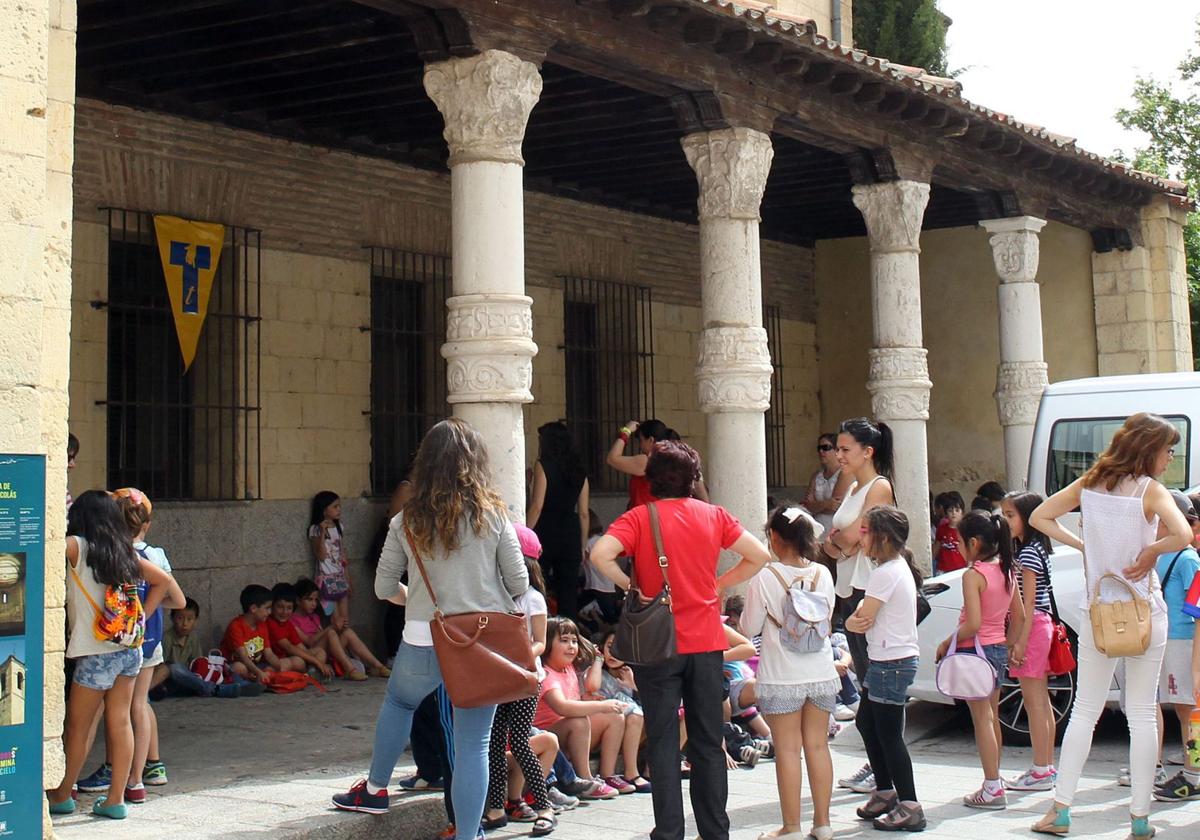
[1193,742]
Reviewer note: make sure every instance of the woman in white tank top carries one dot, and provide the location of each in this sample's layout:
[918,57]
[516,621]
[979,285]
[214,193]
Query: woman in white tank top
[828,485]
[1121,505]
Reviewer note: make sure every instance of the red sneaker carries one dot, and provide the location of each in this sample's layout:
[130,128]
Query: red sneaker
[135,796]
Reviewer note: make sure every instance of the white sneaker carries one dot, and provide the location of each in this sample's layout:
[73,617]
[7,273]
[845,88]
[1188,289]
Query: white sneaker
[986,801]
[863,780]
[842,712]
[1160,777]
[1030,781]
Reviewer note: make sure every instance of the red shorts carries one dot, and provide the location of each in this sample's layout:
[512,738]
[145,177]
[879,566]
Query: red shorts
[1037,652]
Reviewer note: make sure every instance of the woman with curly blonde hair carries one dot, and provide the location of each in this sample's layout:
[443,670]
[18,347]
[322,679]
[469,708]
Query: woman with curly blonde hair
[1129,519]
[458,526]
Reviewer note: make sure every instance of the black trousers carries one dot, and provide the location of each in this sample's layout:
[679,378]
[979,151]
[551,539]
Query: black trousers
[694,679]
[881,726]
[856,641]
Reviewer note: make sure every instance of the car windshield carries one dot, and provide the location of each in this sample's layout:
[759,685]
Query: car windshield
[1076,444]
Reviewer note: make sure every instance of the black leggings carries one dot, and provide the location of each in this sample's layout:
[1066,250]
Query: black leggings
[881,726]
[511,728]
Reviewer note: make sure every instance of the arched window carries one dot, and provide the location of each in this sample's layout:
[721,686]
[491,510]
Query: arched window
[20,680]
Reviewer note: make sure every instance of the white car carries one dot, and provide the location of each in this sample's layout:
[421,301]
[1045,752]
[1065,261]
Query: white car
[944,593]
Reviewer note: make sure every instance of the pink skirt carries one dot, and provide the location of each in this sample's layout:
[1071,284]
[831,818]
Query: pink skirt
[1037,652]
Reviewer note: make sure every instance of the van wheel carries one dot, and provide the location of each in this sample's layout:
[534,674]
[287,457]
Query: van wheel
[1014,720]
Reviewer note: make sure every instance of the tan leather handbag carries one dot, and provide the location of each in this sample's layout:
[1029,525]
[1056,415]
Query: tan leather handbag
[486,658]
[1120,628]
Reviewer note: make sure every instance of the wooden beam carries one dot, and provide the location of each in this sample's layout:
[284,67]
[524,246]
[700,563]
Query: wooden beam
[764,52]
[734,42]
[936,117]
[916,108]
[870,94]
[956,126]
[892,102]
[701,31]
[844,84]
[1011,147]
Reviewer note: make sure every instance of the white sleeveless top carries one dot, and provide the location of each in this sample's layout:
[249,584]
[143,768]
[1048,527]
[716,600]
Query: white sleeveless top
[823,489]
[1115,531]
[81,616]
[853,572]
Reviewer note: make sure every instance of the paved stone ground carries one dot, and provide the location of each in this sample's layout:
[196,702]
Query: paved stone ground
[265,767]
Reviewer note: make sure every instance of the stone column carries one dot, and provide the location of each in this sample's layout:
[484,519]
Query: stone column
[1021,377]
[734,367]
[899,375]
[1143,324]
[485,101]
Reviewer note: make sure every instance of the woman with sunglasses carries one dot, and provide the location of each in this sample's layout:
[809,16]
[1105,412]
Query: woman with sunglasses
[828,484]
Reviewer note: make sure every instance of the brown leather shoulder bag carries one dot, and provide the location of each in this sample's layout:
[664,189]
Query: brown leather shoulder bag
[486,658]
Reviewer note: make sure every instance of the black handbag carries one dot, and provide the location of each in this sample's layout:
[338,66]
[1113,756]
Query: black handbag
[645,632]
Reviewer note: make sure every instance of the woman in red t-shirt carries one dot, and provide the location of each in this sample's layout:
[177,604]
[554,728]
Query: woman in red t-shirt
[693,534]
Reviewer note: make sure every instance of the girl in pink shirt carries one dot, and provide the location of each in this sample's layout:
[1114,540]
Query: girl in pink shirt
[581,725]
[307,620]
[989,598]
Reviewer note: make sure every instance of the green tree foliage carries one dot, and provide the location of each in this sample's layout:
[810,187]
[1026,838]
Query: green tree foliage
[909,32]
[1170,117]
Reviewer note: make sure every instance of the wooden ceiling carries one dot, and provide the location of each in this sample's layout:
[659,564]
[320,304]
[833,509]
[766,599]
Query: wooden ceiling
[343,75]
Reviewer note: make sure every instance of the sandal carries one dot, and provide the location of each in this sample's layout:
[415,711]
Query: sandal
[520,812]
[1057,821]
[492,823]
[543,825]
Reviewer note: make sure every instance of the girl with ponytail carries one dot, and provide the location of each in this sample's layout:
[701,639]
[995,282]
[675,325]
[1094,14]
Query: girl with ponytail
[990,597]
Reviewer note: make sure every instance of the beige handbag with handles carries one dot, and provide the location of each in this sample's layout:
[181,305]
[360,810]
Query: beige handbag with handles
[1120,628]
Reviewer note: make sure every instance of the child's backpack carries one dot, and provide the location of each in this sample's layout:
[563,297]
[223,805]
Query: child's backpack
[122,620]
[287,682]
[806,615]
[212,668]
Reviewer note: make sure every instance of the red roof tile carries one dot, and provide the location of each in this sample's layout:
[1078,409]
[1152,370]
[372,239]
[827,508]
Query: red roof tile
[804,31]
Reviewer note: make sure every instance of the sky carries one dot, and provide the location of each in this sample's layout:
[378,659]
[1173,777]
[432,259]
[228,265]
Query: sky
[1068,65]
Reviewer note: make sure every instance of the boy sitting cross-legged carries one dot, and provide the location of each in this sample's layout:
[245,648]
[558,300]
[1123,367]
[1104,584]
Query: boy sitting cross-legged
[180,648]
[247,640]
[285,639]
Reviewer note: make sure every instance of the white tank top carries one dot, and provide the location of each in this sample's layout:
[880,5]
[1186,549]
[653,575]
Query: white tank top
[81,615]
[1115,531]
[853,572]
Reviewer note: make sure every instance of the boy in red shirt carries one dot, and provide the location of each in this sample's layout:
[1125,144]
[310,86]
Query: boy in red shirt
[285,638]
[949,558]
[247,641]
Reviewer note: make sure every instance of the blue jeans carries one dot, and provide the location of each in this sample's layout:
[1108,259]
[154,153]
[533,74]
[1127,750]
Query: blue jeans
[415,673]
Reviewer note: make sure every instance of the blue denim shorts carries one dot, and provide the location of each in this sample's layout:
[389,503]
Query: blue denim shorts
[100,670]
[888,680]
[997,657]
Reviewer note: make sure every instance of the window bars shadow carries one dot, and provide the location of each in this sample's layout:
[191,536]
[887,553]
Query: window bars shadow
[182,436]
[408,373]
[608,338]
[775,416]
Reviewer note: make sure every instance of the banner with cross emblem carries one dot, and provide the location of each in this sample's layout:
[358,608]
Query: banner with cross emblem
[190,252]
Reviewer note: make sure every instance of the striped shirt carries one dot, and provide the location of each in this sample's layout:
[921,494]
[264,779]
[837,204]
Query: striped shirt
[1034,558]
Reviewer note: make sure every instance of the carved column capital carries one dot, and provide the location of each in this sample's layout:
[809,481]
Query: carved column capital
[485,101]
[734,369]
[489,348]
[1019,387]
[1014,247]
[731,165]
[893,212]
[899,384]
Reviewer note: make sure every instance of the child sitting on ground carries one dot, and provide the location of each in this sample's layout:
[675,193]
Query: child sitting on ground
[180,648]
[285,639]
[247,641]
[608,678]
[338,646]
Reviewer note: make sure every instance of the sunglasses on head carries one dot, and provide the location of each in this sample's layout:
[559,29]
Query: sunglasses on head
[825,447]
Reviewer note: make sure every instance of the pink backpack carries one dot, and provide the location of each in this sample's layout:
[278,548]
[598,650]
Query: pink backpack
[965,675]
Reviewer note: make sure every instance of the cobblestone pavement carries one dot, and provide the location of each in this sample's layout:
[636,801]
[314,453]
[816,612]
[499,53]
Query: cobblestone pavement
[265,767]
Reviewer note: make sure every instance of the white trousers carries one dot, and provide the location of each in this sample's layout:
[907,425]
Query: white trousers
[1141,696]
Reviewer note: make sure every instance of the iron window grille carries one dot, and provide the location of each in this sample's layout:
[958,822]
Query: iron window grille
[775,416]
[182,436]
[408,373]
[607,331]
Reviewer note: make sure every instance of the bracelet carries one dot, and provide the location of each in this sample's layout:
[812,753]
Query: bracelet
[625,430]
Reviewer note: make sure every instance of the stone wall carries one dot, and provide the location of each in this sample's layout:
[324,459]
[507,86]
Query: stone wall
[960,321]
[315,366]
[1143,324]
[37,99]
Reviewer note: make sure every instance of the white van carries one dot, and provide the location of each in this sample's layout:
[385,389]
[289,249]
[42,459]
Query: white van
[1076,420]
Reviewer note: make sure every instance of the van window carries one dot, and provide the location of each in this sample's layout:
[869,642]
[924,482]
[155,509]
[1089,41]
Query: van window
[1076,444]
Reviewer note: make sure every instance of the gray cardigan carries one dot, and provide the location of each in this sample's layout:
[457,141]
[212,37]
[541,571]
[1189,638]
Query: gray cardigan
[483,574]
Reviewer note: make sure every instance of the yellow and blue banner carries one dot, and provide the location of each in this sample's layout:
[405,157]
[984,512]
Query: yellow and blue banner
[190,252]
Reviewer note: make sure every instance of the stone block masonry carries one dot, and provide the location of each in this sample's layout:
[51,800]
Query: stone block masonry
[37,101]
